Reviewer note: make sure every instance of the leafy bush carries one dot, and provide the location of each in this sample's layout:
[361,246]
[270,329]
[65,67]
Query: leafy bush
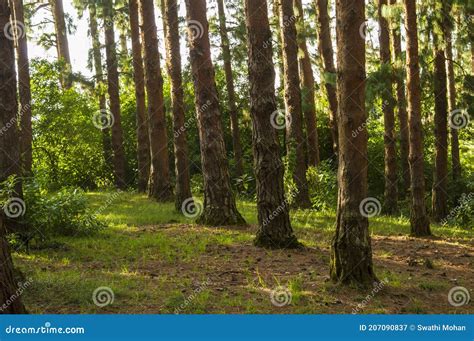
[463,214]
[46,215]
[322,182]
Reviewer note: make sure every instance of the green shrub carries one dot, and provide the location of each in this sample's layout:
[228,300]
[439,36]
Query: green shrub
[47,215]
[322,182]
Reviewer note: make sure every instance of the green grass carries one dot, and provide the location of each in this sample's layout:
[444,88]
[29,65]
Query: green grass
[155,259]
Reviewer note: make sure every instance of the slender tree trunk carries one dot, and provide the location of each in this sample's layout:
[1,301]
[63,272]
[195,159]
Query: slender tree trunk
[219,202]
[278,47]
[114,97]
[62,44]
[143,140]
[390,194]
[326,50]
[10,301]
[351,257]
[273,212]
[402,108]
[159,186]
[440,181]
[307,89]
[173,57]
[100,86]
[420,225]
[455,158]
[295,135]
[239,168]
[24,90]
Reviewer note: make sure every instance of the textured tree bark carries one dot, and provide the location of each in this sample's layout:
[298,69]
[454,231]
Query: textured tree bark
[401,108]
[62,44]
[273,212]
[143,140]
[173,58]
[24,90]
[326,50]
[420,225]
[455,158]
[391,177]
[114,97]
[307,89]
[10,161]
[100,85]
[10,164]
[159,186]
[219,202]
[234,120]
[351,255]
[10,300]
[295,142]
[440,176]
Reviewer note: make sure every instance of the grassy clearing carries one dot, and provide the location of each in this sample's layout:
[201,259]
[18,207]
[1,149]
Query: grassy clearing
[158,261]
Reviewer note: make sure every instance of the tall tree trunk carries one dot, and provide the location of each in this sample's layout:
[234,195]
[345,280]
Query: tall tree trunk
[295,135]
[440,177]
[351,256]
[24,90]
[62,44]
[401,107]
[100,86]
[219,202]
[143,140]
[173,57]
[455,158]
[114,97]
[278,47]
[307,88]
[159,186]
[420,225]
[273,212]
[10,161]
[10,300]
[390,194]
[239,168]
[326,50]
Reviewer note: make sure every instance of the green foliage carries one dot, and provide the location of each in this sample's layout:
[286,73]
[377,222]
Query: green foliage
[50,214]
[67,147]
[62,213]
[463,214]
[322,182]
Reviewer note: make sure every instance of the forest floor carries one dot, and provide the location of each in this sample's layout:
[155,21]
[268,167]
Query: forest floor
[157,261]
